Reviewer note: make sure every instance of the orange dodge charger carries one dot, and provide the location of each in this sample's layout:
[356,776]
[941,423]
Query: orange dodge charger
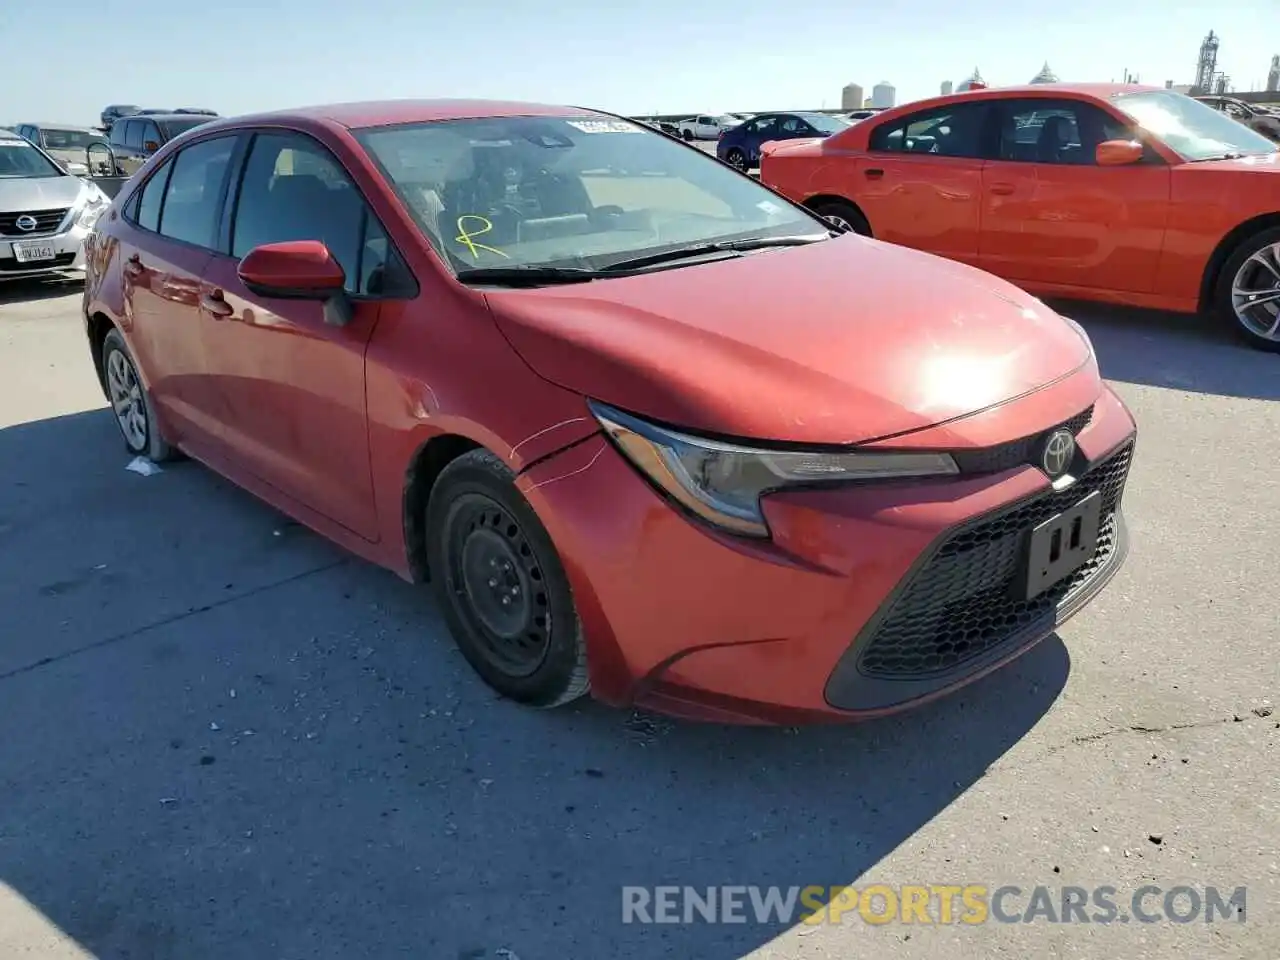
[1120,193]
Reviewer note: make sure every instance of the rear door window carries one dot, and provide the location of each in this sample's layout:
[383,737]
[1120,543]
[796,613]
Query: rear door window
[193,195]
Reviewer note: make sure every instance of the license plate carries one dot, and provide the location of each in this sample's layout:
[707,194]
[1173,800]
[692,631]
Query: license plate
[33,251]
[1061,545]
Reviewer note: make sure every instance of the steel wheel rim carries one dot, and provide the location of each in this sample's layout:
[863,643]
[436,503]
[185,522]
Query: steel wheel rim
[125,393]
[1255,293]
[737,159]
[839,222]
[498,585]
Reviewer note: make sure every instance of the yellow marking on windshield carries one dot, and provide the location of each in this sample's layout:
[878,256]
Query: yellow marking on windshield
[467,237]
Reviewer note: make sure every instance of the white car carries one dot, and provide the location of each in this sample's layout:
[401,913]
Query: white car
[45,212]
[706,126]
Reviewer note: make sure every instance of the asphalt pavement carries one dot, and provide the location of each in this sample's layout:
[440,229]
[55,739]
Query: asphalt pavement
[225,739]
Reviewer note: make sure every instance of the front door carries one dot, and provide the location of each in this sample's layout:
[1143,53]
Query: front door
[291,388]
[1051,215]
[921,182]
[173,222]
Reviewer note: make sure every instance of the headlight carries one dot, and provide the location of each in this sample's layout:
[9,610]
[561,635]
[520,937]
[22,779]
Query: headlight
[722,482]
[95,204]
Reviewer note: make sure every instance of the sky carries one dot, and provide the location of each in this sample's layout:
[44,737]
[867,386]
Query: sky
[660,56]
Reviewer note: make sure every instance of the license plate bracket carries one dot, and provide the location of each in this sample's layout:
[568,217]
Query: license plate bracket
[34,251]
[1061,545]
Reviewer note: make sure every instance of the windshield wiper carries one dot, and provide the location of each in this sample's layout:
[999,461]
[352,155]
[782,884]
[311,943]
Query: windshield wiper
[721,246]
[527,276]
[1222,156]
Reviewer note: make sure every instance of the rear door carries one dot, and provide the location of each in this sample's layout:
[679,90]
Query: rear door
[292,388]
[172,221]
[1051,215]
[920,184]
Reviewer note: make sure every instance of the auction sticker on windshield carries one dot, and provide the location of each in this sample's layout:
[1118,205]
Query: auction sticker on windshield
[603,126]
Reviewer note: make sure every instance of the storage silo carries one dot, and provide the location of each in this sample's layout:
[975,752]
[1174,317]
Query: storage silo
[851,97]
[883,96]
[947,88]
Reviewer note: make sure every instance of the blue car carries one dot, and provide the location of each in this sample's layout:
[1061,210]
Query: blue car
[740,146]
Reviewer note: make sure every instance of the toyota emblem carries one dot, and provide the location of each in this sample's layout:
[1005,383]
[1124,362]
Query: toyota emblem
[1058,451]
[26,223]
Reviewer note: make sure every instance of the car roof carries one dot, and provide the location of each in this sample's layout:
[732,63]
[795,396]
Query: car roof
[160,116]
[46,125]
[380,113]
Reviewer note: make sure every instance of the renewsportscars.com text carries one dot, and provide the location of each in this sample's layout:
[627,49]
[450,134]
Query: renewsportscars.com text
[931,904]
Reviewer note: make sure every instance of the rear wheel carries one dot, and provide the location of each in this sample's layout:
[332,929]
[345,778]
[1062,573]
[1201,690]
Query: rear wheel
[502,586]
[134,412]
[843,216]
[1248,291]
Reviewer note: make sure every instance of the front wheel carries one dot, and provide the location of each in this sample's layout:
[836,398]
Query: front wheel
[1248,291]
[687,134]
[502,586]
[843,216]
[736,158]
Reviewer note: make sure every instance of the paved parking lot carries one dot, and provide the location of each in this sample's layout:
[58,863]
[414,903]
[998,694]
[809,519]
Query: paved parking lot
[225,739]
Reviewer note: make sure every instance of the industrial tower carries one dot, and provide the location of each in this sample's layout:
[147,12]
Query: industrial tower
[1273,78]
[1207,65]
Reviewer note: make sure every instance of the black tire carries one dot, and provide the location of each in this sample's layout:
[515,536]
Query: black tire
[736,158]
[838,212]
[142,438]
[1223,302]
[479,527]
[687,134]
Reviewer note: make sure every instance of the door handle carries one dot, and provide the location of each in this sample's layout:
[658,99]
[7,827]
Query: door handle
[213,304]
[133,266]
[1002,189]
[875,173]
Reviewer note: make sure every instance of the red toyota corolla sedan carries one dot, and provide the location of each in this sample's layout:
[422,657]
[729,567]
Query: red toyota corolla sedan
[652,430]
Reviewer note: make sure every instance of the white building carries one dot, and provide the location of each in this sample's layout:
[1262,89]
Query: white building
[883,96]
[851,97]
[947,87]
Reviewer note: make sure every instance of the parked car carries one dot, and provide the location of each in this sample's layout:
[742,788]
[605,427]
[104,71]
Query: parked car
[740,146]
[66,144]
[1119,193]
[114,112]
[866,114]
[201,111]
[45,212]
[461,337]
[705,126]
[1258,119]
[134,139]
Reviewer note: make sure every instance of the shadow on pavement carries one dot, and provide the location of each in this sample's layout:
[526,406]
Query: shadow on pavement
[26,291]
[227,740]
[1157,349]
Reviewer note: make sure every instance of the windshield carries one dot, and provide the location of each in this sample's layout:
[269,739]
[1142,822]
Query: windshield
[55,139]
[579,191]
[825,124]
[1195,131]
[19,159]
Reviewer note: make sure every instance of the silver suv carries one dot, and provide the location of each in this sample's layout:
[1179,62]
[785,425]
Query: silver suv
[45,212]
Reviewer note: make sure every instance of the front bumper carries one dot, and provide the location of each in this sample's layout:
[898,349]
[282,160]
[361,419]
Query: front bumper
[68,246]
[861,605]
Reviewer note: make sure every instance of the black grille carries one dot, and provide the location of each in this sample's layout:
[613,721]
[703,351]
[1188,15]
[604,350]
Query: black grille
[9,265]
[961,603]
[47,221]
[1015,453]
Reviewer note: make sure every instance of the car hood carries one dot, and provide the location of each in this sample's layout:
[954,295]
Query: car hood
[839,342]
[38,193]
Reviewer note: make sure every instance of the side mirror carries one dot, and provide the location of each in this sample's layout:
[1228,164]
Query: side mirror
[298,270]
[151,146]
[1118,153]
